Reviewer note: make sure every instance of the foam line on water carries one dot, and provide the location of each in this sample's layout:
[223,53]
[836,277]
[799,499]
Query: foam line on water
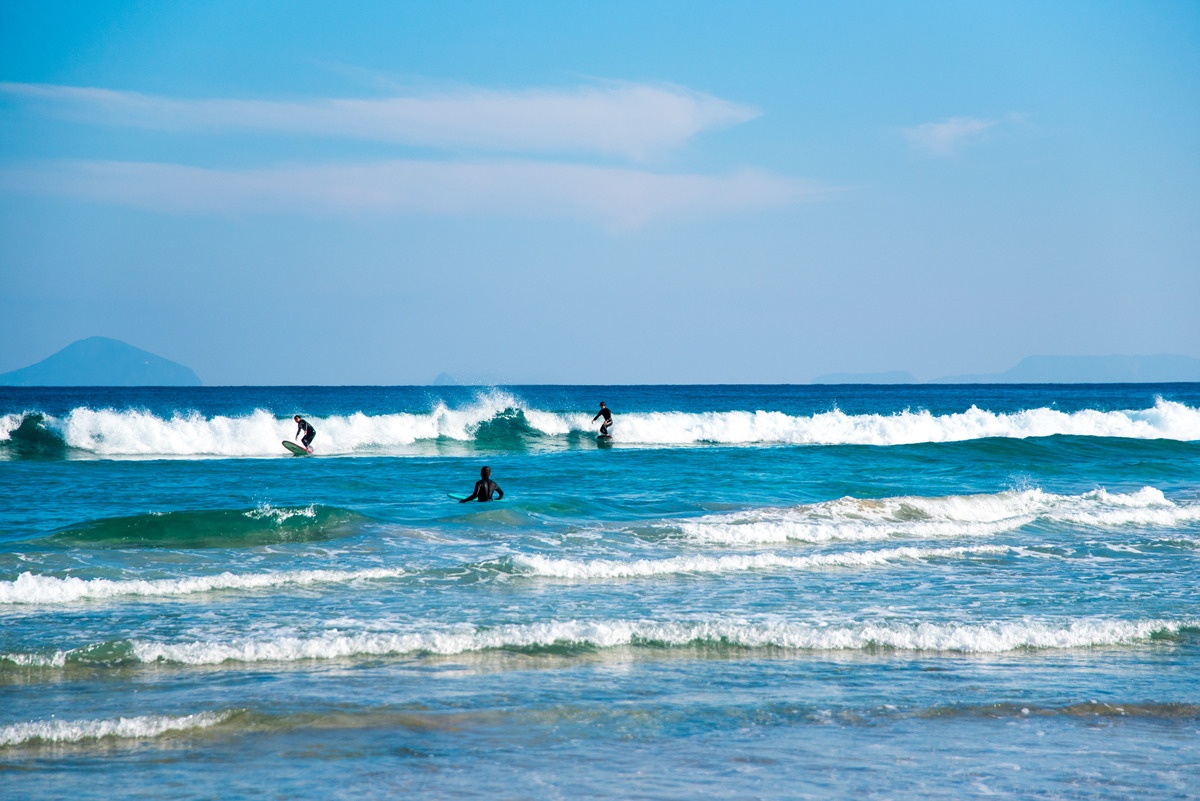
[29,588]
[130,432]
[856,519]
[609,568]
[1165,420]
[920,636]
[135,432]
[125,728]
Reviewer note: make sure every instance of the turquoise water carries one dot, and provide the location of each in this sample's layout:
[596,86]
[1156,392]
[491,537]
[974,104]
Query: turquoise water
[753,592]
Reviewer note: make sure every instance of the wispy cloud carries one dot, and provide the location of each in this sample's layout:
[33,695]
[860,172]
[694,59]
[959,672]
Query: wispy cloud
[627,120]
[506,154]
[947,137]
[617,198]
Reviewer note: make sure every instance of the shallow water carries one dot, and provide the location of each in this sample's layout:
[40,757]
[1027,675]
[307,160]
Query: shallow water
[759,592]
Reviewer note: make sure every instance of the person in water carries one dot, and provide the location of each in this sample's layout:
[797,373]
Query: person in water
[309,432]
[484,488]
[607,424]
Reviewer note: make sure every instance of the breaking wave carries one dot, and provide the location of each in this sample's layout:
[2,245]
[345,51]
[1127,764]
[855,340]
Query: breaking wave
[47,732]
[500,421]
[610,568]
[856,519]
[34,589]
[559,636]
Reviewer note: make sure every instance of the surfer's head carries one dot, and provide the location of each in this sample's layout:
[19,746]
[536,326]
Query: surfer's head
[296,418]
[485,472]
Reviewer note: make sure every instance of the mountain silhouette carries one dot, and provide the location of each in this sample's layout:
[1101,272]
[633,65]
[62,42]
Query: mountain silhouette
[102,362]
[1161,368]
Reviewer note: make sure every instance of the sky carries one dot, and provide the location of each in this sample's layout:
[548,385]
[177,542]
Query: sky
[599,193]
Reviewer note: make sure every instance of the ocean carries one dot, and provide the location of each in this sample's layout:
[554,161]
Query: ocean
[769,592]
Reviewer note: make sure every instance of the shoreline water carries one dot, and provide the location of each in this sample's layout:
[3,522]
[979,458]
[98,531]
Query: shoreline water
[755,617]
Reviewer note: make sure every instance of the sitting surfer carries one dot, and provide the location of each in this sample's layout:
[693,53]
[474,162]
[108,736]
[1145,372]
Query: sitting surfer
[484,488]
[607,424]
[309,432]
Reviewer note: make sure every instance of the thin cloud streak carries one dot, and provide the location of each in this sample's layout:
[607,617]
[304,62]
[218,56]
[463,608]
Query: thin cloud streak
[631,121]
[616,198]
[947,137]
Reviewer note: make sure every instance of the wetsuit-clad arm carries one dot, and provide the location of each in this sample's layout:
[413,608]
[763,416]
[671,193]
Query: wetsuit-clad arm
[474,494]
[499,491]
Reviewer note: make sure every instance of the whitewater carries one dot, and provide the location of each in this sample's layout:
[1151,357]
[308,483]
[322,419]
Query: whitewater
[141,433]
[750,592]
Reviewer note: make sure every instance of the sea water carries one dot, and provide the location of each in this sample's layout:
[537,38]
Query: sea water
[752,592]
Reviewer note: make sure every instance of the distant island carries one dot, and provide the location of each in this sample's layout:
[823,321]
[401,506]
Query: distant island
[1159,369]
[102,362]
[1162,368]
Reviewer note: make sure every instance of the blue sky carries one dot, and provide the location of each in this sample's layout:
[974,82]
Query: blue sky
[631,192]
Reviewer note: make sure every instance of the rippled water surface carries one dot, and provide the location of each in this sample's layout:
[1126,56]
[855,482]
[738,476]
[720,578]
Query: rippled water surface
[752,592]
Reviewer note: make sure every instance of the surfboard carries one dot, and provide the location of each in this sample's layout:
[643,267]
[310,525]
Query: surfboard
[296,449]
[464,497]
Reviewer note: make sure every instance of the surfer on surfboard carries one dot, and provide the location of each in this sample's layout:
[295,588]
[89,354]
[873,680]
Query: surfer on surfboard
[607,424]
[309,432]
[484,488]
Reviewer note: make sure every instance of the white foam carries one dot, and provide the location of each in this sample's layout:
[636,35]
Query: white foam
[966,638]
[279,515]
[10,423]
[57,659]
[915,517]
[1166,420]
[76,731]
[1103,509]
[609,568]
[139,433]
[996,637]
[132,432]
[34,589]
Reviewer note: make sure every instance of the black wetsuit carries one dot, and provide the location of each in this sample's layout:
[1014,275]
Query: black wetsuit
[309,432]
[484,488]
[607,420]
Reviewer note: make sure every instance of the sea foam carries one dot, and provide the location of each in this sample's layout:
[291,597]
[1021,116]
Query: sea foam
[986,637]
[77,731]
[111,432]
[1166,420]
[913,517]
[29,588]
[609,568]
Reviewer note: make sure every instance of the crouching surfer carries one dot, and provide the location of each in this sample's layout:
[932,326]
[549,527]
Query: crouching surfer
[607,424]
[484,488]
[309,432]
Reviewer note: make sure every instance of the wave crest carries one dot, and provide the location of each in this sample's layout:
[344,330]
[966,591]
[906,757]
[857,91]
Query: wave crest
[34,589]
[499,420]
[217,528]
[608,568]
[78,731]
[858,520]
[557,636]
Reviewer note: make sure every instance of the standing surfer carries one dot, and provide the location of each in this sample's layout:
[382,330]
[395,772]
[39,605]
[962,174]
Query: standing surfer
[309,432]
[484,488]
[607,415]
